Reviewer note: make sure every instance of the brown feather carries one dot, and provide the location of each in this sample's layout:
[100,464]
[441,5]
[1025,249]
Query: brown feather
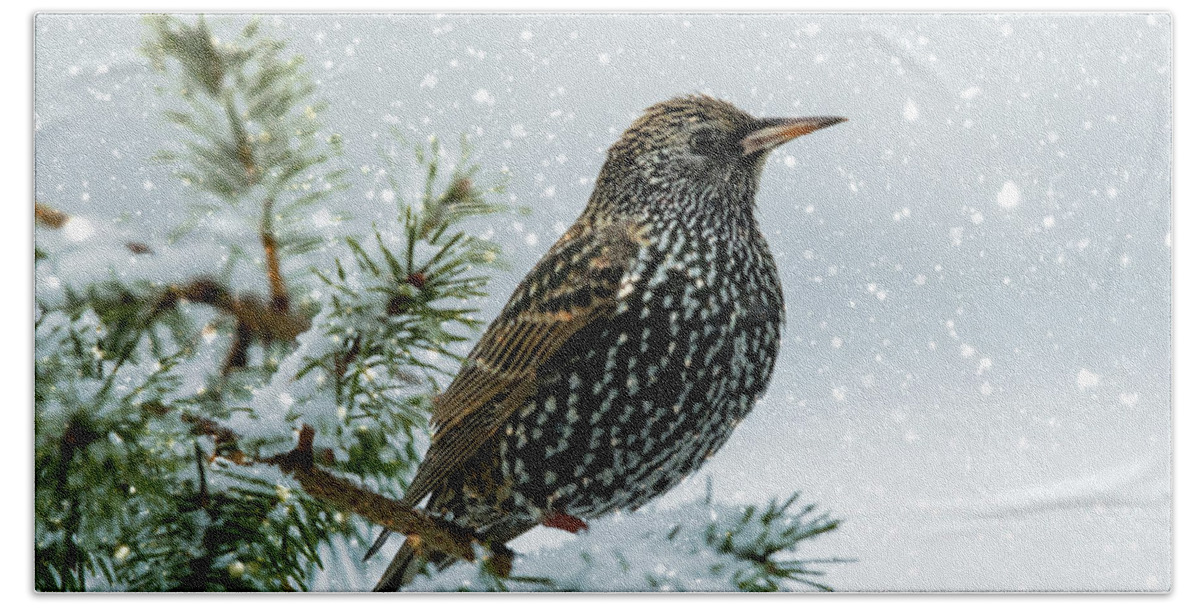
[500,374]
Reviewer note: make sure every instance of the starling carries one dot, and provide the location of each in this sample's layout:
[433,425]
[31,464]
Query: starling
[632,349]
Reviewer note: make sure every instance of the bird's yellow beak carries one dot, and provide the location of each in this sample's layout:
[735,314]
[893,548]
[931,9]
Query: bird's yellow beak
[775,131]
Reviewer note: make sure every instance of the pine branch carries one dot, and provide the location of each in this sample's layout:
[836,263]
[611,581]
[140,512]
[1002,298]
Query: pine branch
[433,535]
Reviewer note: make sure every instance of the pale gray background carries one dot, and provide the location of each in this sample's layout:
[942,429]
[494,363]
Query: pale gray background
[977,380]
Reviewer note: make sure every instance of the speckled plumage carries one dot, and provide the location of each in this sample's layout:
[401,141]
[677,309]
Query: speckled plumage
[633,348]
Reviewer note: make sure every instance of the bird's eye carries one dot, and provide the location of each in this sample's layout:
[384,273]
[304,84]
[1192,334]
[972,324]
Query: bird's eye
[706,142]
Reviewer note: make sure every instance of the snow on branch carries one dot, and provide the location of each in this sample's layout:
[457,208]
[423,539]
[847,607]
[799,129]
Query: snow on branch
[700,545]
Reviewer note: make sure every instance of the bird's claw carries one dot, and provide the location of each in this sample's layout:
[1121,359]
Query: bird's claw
[562,521]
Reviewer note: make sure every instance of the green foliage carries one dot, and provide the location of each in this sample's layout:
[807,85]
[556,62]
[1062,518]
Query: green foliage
[761,539]
[144,447]
[396,311]
[700,545]
[105,454]
[397,305]
[251,130]
[252,535]
[126,313]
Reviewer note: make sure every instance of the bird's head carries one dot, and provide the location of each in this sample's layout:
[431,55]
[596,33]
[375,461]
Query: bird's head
[702,147]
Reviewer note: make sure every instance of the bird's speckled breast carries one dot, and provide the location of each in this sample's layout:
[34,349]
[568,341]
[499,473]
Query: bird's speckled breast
[635,405]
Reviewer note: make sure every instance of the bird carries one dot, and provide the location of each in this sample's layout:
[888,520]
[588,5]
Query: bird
[629,353]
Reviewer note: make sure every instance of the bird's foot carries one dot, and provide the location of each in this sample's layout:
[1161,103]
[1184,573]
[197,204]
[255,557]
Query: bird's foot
[562,521]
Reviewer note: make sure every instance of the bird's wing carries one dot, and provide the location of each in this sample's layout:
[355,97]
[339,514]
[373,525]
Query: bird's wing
[577,283]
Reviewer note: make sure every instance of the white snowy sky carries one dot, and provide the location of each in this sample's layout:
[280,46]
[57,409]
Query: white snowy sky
[985,357]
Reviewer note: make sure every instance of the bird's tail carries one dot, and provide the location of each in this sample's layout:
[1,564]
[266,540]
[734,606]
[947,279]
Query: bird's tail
[407,564]
[379,541]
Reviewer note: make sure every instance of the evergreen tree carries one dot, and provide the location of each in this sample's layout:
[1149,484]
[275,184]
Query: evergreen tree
[166,410]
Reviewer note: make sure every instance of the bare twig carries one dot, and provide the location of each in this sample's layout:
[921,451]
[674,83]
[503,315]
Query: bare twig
[200,466]
[237,356]
[224,438]
[266,232]
[255,320]
[49,216]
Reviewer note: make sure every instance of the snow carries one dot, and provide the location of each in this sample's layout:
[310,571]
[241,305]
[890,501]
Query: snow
[482,96]
[618,553]
[1086,380]
[975,489]
[1009,195]
[78,229]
